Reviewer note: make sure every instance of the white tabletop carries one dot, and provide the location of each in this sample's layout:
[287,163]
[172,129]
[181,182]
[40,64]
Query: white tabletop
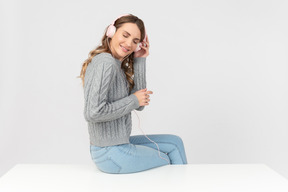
[179,178]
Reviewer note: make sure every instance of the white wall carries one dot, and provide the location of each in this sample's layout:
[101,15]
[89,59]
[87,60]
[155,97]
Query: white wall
[218,70]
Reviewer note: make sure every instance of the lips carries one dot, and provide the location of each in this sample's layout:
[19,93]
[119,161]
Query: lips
[124,49]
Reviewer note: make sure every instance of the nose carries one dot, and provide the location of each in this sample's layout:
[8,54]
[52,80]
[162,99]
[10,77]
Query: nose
[128,44]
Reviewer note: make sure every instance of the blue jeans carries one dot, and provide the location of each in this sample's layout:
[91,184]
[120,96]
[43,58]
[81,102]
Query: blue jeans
[140,154]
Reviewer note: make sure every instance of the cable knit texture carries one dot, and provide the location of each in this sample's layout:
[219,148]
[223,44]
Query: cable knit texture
[108,102]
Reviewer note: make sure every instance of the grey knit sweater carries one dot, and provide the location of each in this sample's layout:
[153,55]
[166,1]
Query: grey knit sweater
[108,102]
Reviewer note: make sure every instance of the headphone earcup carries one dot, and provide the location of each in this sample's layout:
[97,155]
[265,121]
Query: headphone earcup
[111,31]
[138,47]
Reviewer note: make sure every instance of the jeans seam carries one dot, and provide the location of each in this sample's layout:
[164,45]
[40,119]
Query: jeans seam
[172,151]
[121,150]
[163,142]
[116,164]
[109,159]
[107,150]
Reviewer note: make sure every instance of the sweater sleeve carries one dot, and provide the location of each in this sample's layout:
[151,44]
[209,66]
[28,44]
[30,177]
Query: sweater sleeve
[139,76]
[98,79]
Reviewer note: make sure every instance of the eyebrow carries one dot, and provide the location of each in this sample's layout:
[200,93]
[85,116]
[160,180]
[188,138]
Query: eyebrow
[130,34]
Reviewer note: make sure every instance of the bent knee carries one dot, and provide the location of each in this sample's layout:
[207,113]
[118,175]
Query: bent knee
[175,139]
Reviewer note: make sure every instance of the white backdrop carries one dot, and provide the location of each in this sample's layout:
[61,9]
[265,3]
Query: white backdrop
[218,70]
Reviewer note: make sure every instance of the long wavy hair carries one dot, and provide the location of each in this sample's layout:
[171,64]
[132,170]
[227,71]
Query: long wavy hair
[127,64]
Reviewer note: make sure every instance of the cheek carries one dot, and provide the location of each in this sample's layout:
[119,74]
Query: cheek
[135,45]
[117,40]
[121,39]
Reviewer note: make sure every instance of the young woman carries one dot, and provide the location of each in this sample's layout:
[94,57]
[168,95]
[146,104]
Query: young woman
[114,81]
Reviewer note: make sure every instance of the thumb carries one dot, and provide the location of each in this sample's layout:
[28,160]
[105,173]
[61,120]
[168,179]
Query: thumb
[144,89]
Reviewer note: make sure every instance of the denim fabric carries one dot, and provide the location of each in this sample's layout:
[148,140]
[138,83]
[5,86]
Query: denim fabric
[140,154]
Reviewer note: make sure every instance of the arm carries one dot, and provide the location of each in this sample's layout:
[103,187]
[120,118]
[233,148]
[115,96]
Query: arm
[139,76]
[98,79]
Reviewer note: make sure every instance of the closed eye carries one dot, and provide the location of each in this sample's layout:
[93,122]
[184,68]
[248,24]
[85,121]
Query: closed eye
[127,37]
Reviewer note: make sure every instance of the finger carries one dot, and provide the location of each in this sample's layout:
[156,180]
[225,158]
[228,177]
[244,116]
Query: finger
[147,44]
[143,47]
[145,39]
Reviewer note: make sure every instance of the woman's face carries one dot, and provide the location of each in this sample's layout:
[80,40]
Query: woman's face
[125,40]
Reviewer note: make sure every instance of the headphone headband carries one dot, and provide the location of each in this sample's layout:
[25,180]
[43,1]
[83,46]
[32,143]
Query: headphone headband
[119,17]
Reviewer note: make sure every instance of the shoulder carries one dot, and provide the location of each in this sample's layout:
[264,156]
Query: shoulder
[102,60]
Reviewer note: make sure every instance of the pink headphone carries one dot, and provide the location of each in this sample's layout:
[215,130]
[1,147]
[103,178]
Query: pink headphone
[112,29]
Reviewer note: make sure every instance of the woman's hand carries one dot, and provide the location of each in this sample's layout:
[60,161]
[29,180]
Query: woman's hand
[144,51]
[143,96]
